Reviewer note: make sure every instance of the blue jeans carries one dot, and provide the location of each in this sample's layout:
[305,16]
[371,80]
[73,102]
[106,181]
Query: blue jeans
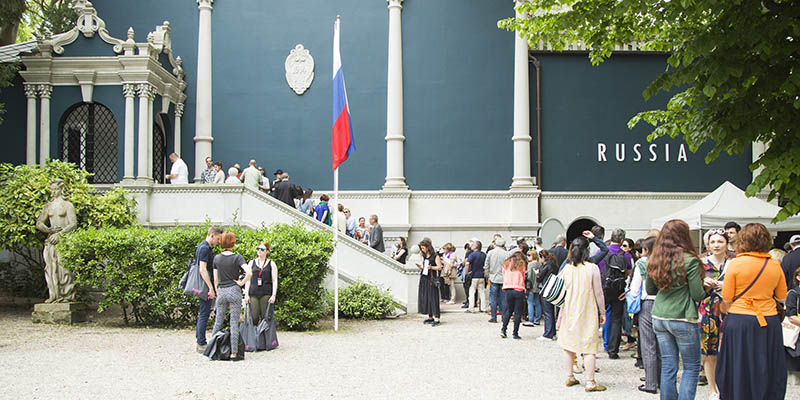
[497,300]
[202,320]
[678,338]
[534,308]
[549,312]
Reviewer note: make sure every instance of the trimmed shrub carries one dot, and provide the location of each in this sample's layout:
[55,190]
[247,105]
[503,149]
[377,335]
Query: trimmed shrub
[364,301]
[140,268]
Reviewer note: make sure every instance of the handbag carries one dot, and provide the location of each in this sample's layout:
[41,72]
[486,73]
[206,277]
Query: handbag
[247,331]
[219,348]
[634,302]
[267,337]
[195,285]
[554,291]
[790,331]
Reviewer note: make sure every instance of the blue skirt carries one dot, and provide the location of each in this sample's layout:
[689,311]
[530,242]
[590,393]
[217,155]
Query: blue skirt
[751,363]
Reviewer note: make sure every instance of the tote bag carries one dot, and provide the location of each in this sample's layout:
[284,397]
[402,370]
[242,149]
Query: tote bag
[247,331]
[553,290]
[790,331]
[195,285]
[267,337]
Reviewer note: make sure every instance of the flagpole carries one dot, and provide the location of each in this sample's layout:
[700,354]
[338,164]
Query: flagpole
[335,244]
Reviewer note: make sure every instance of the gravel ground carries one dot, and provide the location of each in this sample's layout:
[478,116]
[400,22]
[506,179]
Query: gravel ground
[395,358]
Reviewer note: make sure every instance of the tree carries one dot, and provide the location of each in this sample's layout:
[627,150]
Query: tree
[10,14]
[735,65]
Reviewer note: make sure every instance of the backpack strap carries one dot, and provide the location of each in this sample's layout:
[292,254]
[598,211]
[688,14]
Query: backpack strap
[751,283]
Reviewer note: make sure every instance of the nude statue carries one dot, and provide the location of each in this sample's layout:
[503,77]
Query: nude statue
[60,214]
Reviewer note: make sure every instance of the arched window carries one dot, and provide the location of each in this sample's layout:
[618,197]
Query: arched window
[159,149]
[89,140]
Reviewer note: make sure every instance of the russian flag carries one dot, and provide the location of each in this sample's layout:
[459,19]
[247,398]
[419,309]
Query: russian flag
[342,144]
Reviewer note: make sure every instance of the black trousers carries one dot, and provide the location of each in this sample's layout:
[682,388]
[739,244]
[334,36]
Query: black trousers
[467,284]
[617,308]
[514,302]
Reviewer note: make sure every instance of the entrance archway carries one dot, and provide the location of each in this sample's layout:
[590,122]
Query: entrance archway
[578,226]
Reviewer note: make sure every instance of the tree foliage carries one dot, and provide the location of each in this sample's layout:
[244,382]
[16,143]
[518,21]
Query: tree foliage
[734,63]
[53,16]
[24,190]
[139,269]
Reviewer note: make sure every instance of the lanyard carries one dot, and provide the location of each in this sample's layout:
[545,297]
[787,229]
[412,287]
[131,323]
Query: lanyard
[261,269]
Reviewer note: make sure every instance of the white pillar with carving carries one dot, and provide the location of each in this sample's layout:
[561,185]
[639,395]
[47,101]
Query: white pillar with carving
[45,91]
[144,168]
[129,91]
[522,113]
[178,116]
[30,138]
[395,176]
[202,135]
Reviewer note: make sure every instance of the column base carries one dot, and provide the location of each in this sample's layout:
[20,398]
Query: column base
[395,184]
[59,313]
[144,180]
[526,182]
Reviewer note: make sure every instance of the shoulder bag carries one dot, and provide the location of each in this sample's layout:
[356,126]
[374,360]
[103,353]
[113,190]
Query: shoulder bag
[553,290]
[195,285]
[790,331]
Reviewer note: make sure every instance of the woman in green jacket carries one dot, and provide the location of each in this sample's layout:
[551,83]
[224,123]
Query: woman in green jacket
[674,274]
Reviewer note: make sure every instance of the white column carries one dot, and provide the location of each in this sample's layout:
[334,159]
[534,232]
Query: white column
[395,176]
[522,113]
[30,139]
[202,134]
[129,91]
[177,130]
[144,169]
[45,91]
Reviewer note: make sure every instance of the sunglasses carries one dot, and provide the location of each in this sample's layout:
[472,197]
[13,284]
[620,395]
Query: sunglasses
[716,231]
[261,248]
[625,245]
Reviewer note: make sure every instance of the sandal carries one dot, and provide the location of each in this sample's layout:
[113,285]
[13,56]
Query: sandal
[594,387]
[571,381]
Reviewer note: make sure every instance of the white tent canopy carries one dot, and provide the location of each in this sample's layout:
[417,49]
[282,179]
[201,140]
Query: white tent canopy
[729,203]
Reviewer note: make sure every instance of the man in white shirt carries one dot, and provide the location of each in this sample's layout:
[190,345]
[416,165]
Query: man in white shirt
[179,174]
[251,176]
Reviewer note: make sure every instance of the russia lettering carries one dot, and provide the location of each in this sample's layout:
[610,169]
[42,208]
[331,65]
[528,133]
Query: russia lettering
[652,153]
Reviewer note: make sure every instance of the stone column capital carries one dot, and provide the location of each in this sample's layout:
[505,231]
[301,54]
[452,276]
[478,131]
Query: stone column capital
[146,90]
[395,4]
[179,107]
[45,90]
[129,90]
[205,4]
[31,90]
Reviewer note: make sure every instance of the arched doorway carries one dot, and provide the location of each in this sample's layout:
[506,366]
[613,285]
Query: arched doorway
[159,149]
[89,140]
[578,226]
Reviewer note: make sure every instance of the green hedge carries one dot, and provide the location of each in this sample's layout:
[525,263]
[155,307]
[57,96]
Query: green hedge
[364,301]
[140,268]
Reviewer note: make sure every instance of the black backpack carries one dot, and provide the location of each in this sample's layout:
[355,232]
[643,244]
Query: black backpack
[614,276]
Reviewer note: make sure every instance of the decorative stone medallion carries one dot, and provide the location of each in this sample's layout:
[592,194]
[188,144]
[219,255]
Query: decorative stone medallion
[299,69]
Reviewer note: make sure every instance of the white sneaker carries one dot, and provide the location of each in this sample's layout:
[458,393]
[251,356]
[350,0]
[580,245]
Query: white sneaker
[577,369]
[451,302]
[544,339]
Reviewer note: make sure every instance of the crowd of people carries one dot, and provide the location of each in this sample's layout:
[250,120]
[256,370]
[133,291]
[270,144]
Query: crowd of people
[713,312]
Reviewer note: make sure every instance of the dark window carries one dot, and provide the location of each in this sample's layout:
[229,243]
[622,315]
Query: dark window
[89,140]
[159,153]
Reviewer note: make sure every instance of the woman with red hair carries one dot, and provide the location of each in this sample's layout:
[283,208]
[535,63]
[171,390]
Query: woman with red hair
[674,275]
[751,362]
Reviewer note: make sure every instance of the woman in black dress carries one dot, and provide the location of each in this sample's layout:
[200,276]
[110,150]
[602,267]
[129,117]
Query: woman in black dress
[430,269]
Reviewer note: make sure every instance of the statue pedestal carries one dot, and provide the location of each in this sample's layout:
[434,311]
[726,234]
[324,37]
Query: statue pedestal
[59,313]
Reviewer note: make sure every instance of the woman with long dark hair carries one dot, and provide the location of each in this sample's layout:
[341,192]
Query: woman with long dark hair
[430,269]
[582,314]
[751,363]
[548,310]
[674,275]
[514,289]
